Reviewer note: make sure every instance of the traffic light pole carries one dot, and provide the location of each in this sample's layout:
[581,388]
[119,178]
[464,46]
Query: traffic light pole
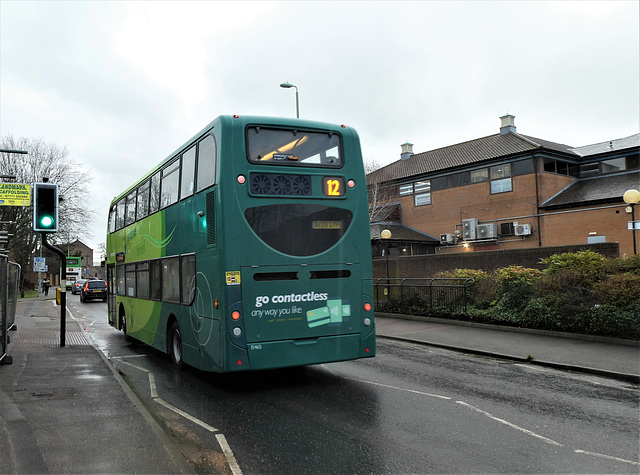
[63,287]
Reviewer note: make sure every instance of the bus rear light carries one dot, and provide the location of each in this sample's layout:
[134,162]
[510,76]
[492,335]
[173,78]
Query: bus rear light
[241,179]
[343,126]
[366,322]
[216,303]
[351,183]
[239,362]
[237,331]
[366,350]
[236,116]
[367,307]
[235,315]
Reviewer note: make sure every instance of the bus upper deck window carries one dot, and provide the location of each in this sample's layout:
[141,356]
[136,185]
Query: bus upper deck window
[293,147]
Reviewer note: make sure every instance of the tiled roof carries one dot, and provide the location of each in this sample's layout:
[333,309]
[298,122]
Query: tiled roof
[600,189]
[400,232]
[608,146]
[462,154]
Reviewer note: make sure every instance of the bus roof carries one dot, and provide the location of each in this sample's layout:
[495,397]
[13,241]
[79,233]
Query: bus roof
[227,119]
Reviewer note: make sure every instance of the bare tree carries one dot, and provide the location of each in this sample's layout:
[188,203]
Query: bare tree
[102,248]
[379,192]
[44,160]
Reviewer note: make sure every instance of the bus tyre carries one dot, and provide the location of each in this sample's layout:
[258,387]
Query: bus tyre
[123,326]
[174,344]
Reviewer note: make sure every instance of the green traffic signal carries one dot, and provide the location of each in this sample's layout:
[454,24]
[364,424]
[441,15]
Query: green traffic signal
[45,207]
[46,221]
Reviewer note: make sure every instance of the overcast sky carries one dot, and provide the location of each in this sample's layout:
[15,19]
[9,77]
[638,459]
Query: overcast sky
[123,84]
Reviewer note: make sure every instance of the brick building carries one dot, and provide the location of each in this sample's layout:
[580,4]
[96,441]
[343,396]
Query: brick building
[76,248]
[508,191]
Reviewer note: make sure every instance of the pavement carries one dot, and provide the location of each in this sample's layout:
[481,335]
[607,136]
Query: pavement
[67,410]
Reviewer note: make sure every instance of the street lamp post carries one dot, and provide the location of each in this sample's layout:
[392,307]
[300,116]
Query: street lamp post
[632,198]
[386,235]
[287,85]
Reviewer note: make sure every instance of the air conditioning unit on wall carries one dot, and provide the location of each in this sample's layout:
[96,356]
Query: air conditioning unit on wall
[486,231]
[446,238]
[469,229]
[522,229]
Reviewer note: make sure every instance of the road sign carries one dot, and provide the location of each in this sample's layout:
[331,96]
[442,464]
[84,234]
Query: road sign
[39,264]
[15,194]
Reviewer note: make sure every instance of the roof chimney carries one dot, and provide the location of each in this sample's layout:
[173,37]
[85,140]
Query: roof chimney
[407,150]
[508,124]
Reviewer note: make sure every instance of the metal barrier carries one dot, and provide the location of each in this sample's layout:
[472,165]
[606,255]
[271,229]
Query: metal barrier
[422,296]
[9,282]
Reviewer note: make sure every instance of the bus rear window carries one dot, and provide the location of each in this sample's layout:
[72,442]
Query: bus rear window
[299,229]
[293,147]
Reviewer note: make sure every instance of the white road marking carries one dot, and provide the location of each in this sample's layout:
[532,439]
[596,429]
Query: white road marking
[152,386]
[513,426]
[608,457]
[195,420]
[403,389]
[140,368]
[228,453]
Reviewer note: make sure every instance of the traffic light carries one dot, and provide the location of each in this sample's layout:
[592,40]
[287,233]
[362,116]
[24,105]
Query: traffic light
[45,207]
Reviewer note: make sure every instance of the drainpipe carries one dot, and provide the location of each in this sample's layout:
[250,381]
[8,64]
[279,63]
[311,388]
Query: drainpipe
[536,163]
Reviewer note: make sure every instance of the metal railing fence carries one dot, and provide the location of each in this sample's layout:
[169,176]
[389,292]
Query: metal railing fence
[422,295]
[9,282]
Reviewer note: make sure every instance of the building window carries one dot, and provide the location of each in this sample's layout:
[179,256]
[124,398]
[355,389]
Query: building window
[406,189]
[613,165]
[478,176]
[422,191]
[501,179]
[589,169]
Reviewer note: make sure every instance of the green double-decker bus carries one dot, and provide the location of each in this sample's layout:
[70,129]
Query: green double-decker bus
[247,248]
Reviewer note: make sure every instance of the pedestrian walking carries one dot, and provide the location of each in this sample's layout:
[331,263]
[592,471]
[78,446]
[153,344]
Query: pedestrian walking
[46,284]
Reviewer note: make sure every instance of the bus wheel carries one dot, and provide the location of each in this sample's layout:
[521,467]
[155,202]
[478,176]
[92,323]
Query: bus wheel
[175,346]
[123,326]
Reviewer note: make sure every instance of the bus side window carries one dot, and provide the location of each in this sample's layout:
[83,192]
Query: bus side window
[130,215]
[206,162]
[155,277]
[188,169]
[154,194]
[171,280]
[142,280]
[120,214]
[121,282]
[169,184]
[188,278]
[112,220]
[142,205]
